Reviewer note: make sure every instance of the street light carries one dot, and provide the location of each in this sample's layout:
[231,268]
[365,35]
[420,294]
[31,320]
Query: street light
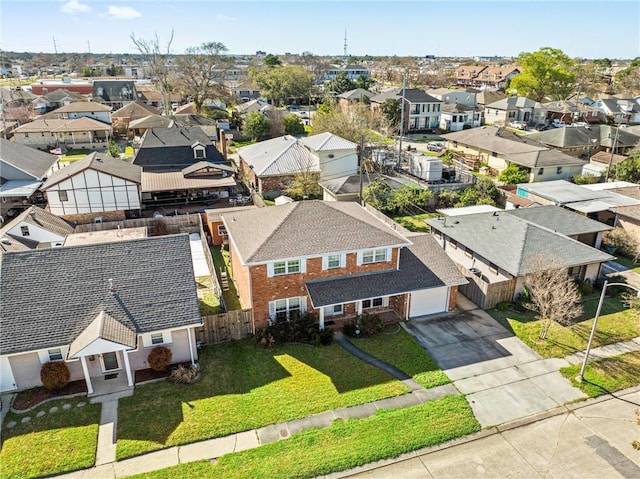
[580,377]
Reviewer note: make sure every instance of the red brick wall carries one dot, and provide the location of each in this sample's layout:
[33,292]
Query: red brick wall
[399,304]
[453,295]
[240,275]
[266,289]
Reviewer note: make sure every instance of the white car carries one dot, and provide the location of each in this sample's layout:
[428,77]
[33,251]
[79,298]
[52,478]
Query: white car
[520,125]
[434,146]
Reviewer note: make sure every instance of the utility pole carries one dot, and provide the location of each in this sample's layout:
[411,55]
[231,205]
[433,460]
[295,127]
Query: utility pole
[360,167]
[613,150]
[404,84]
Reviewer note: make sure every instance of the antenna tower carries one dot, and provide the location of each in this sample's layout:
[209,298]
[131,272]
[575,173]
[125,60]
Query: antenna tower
[345,44]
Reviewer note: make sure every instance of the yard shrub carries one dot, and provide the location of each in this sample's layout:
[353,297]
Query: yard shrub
[159,358]
[585,288]
[363,326]
[299,329]
[182,374]
[54,375]
[349,329]
[503,306]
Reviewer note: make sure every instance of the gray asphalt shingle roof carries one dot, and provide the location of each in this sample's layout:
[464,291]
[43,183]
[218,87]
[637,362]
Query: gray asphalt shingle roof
[103,327]
[153,282]
[98,162]
[423,265]
[559,219]
[307,228]
[495,138]
[33,162]
[38,217]
[513,243]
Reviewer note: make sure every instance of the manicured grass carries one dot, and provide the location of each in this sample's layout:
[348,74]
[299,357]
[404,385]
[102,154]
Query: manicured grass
[629,263]
[616,323]
[74,155]
[342,446]
[234,145]
[52,444]
[222,259]
[606,375]
[209,303]
[415,222]
[245,387]
[402,351]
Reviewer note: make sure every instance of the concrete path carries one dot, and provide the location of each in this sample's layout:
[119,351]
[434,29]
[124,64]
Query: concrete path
[591,439]
[607,351]
[108,428]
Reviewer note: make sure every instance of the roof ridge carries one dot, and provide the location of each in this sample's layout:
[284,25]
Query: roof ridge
[295,206]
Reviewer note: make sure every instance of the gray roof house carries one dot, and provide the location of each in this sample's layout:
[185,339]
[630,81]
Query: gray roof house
[422,111]
[127,304]
[336,259]
[515,108]
[347,188]
[498,250]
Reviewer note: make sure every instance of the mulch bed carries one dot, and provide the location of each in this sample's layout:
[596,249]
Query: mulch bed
[32,397]
[149,374]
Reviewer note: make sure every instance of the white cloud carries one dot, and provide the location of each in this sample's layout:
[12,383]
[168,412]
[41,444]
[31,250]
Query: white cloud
[74,6]
[123,13]
[225,18]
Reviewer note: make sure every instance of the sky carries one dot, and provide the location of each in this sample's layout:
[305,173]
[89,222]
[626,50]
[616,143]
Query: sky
[586,29]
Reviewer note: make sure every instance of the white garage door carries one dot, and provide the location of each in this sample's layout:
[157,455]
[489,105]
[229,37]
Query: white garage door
[428,301]
[7,382]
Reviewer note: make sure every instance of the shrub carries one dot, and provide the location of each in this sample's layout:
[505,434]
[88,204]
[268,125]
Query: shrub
[503,305]
[54,375]
[159,358]
[184,374]
[623,242]
[325,336]
[300,329]
[585,288]
[364,325]
[349,329]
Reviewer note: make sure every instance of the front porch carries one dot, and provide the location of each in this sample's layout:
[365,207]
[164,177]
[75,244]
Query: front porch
[109,383]
[337,322]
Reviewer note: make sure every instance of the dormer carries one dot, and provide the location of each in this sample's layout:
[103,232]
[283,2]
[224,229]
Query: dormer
[199,151]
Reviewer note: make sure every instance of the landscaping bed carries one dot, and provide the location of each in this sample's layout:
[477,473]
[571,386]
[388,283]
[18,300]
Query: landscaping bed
[32,397]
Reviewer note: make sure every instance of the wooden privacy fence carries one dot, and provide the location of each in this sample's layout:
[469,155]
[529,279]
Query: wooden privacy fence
[171,225]
[485,294]
[219,328]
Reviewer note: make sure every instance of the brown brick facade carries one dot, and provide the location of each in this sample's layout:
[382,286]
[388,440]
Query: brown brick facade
[264,184]
[453,296]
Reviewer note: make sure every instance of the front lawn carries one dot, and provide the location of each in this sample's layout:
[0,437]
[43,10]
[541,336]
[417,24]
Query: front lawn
[52,444]
[402,351]
[342,446]
[604,376]
[74,155]
[616,323]
[415,223]
[244,387]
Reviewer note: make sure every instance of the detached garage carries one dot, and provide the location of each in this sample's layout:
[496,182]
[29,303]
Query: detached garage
[429,301]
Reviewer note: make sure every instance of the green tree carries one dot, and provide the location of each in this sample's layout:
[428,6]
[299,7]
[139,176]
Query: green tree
[293,124]
[378,194]
[627,170]
[547,72]
[358,123]
[447,198]
[410,200]
[585,179]
[113,149]
[271,60]
[513,175]
[339,84]
[280,83]
[487,191]
[626,81]
[304,185]
[327,106]
[363,82]
[255,125]
[391,109]
[468,197]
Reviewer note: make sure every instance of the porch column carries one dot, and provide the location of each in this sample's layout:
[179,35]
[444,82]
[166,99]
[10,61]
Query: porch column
[359,308]
[321,317]
[193,361]
[127,367]
[85,370]
[73,138]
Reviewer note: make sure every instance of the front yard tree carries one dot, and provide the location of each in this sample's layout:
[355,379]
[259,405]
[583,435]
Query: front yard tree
[113,149]
[201,72]
[293,125]
[513,175]
[280,83]
[255,126]
[391,109]
[547,72]
[553,294]
[339,84]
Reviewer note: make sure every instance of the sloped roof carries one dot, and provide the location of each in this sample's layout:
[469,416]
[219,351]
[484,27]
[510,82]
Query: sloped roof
[327,141]
[153,289]
[175,180]
[33,162]
[135,110]
[560,220]
[284,155]
[423,265]
[103,327]
[114,90]
[60,94]
[513,102]
[206,165]
[351,184]
[62,125]
[151,121]
[495,138]
[512,243]
[307,228]
[38,217]
[543,158]
[82,106]
[98,162]
[412,95]
[356,94]
[456,108]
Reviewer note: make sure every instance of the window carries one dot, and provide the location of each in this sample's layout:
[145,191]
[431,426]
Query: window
[152,339]
[453,243]
[559,170]
[374,256]
[62,195]
[24,230]
[493,268]
[157,338]
[286,267]
[335,310]
[468,253]
[512,114]
[199,153]
[285,309]
[55,354]
[372,303]
[222,230]
[334,261]
[541,171]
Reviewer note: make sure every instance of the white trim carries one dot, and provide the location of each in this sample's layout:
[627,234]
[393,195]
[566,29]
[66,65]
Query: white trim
[87,377]
[342,261]
[127,368]
[102,366]
[43,354]
[147,340]
[193,361]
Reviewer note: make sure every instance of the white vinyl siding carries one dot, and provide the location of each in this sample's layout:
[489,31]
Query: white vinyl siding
[154,339]
[291,266]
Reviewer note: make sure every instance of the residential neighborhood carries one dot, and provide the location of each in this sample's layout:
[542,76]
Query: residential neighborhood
[230,253]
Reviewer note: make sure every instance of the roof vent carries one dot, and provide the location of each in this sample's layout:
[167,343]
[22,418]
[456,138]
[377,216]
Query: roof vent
[110,284]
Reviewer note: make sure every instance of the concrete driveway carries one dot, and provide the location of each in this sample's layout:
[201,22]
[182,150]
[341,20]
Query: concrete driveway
[503,378]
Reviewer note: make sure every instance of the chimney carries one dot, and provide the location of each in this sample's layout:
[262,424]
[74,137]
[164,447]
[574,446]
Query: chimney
[223,143]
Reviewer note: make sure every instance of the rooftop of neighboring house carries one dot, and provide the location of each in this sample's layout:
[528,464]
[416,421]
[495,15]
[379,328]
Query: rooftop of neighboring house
[327,142]
[98,162]
[497,73]
[75,285]
[114,90]
[81,107]
[411,95]
[513,243]
[59,95]
[604,136]
[513,103]
[356,95]
[349,185]
[307,228]
[135,110]
[457,108]
[283,155]
[544,158]
[33,162]
[36,216]
[151,121]
[252,105]
[496,139]
[559,220]
[63,126]
[487,96]
[106,236]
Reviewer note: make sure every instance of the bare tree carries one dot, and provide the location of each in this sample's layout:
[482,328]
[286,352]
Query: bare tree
[157,58]
[201,72]
[553,294]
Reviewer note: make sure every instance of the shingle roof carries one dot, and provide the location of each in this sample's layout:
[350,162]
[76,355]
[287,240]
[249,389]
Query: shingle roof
[175,180]
[307,228]
[632,212]
[114,90]
[61,126]
[423,265]
[38,217]
[16,243]
[495,138]
[356,94]
[284,155]
[351,184]
[512,243]
[151,121]
[152,278]
[34,162]
[135,110]
[412,95]
[456,108]
[559,219]
[327,141]
[103,327]
[513,102]
[98,162]
[82,106]
[544,158]
[170,149]
[60,94]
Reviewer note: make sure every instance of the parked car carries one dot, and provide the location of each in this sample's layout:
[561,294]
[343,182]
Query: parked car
[542,127]
[558,123]
[520,125]
[434,146]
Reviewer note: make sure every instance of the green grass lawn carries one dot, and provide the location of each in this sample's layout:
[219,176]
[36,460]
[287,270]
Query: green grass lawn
[629,263]
[415,222]
[245,387]
[402,351]
[606,375]
[74,155]
[616,323]
[52,444]
[222,258]
[209,303]
[344,445]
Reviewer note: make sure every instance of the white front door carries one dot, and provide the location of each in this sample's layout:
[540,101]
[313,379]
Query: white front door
[7,381]
[109,361]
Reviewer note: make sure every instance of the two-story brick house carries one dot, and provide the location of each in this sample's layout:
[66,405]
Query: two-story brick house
[336,260]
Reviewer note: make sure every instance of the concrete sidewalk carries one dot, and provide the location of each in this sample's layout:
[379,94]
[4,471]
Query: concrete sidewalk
[607,351]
